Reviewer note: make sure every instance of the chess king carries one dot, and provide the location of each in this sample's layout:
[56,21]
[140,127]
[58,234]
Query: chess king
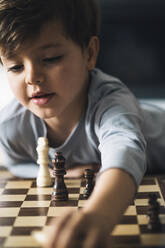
[49,50]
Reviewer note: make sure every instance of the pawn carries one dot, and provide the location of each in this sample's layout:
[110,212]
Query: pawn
[60,192]
[89,176]
[43,178]
[153,213]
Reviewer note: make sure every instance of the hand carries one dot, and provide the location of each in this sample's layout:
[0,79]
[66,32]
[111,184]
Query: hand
[79,230]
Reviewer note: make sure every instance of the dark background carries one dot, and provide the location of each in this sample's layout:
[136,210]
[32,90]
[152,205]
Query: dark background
[133,44]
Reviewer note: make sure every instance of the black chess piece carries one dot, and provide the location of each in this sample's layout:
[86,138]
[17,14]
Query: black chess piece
[60,192]
[89,178]
[153,213]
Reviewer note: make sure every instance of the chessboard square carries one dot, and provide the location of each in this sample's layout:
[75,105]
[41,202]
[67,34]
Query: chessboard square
[81,203]
[7,221]
[9,212]
[141,210]
[144,195]
[38,198]
[73,196]
[68,203]
[18,184]
[40,191]
[12,197]
[148,188]
[70,183]
[162,218]
[21,241]
[10,204]
[128,219]
[148,181]
[2,241]
[42,211]
[142,219]
[59,211]
[5,231]
[30,204]
[131,210]
[153,240]
[73,190]
[128,229]
[26,230]
[18,191]
[82,190]
[25,221]
[144,202]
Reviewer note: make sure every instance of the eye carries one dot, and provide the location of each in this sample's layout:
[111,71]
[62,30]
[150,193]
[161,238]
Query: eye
[52,59]
[15,68]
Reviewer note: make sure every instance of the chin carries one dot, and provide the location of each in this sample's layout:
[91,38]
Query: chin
[44,114]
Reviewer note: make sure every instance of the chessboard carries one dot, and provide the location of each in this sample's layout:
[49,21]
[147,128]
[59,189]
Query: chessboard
[25,208]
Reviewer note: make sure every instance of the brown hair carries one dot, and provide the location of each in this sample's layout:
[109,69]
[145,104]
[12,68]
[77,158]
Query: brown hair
[21,20]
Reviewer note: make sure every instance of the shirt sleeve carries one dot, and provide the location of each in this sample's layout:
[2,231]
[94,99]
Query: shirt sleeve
[18,138]
[121,141]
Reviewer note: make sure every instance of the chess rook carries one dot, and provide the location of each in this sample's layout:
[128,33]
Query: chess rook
[60,192]
[89,176]
[43,177]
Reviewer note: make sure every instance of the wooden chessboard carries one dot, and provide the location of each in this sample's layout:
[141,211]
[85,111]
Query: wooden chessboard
[25,208]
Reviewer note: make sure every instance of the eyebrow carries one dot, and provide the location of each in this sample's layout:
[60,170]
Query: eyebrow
[48,46]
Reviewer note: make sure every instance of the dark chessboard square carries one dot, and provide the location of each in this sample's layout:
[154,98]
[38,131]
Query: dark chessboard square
[42,211]
[24,230]
[144,229]
[10,204]
[7,221]
[2,240]
[73,190]
[38,198]
[148,181]
[128,219]
[3,184]
[81,197]
[15,191]
[83,183]
[69,203]
[142,209]
[34,184]
[126,240]
[145,195]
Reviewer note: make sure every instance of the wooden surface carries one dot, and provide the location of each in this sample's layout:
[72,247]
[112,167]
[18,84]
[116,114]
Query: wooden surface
[25,208]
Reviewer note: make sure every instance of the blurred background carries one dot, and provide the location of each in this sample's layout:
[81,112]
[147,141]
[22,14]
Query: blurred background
[132,47]
[133,44]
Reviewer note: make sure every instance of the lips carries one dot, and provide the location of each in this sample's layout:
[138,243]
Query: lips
[41,98]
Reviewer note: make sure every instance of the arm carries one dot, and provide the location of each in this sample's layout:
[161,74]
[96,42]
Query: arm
[90,227]
[112,194]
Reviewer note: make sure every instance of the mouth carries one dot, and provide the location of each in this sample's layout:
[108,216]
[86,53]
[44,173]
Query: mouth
[41,98]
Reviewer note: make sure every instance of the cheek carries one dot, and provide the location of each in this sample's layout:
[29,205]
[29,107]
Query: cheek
[18,89]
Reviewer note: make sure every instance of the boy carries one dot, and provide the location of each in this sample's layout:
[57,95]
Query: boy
[49,51]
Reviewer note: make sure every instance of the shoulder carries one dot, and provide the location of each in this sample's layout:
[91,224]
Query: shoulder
[109,93]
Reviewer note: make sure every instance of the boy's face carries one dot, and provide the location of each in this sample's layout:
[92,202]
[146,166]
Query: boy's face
[49,75]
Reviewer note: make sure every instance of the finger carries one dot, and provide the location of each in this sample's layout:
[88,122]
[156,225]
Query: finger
[92,238]
[70,237]
[57,225]
[96,238]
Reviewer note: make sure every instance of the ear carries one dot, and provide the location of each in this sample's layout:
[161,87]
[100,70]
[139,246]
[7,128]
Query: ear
[92,52]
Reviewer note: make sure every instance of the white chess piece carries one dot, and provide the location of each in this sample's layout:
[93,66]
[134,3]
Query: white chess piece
[43,178]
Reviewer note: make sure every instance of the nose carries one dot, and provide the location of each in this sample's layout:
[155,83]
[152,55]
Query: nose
[33,74]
